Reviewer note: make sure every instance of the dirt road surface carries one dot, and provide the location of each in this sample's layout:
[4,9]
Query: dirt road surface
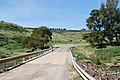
[56,65]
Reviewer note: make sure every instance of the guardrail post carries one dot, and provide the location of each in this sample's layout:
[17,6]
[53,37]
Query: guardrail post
[16,62]
[5,65]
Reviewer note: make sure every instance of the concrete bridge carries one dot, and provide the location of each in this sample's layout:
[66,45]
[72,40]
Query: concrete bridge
[56,65]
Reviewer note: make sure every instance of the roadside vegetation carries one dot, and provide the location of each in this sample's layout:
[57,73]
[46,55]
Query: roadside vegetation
[101,63]
[104,35]
[100,55]
[111,54]
[67,36]
[102,41]
[11,37]
[38,39]
[15,39]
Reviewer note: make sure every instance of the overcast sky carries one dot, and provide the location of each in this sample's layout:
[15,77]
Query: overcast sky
[70,14]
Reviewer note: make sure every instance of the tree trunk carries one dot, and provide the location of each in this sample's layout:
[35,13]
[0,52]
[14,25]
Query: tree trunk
[101,43]
[117,38]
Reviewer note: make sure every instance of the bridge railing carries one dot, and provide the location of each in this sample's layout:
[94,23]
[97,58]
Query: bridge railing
[81,72]
[12,62]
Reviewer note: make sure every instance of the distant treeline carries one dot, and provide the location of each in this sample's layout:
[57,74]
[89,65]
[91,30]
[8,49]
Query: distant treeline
[58,29]
[61,29]
[64,29]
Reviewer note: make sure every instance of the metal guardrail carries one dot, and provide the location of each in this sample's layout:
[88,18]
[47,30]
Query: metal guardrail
[12,62]
[82,72]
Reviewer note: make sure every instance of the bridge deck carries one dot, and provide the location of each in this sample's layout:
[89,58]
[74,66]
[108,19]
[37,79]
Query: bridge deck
[53,66]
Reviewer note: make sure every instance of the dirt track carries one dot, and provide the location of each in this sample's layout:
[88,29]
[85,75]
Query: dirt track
[53,66]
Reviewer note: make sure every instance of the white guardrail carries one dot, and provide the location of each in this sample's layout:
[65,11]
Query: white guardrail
[81,72]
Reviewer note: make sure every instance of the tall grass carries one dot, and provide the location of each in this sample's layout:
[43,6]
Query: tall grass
[108,53]
[101,56]
[67,37]
[79,55]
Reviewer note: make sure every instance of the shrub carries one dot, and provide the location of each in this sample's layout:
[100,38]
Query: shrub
[80,56]
[95,59]
[2,54]
[114,61]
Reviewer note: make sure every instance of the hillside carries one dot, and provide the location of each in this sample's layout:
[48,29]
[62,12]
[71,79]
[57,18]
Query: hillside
[67,37]
[11,37]
[11,27]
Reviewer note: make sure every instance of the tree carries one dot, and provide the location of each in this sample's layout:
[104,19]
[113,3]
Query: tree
[88,37]
[39,37]
[112,18]
[104,24]
[95,25]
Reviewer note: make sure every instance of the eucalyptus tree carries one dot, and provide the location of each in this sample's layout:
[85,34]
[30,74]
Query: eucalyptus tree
[112,19]
[104,24]
[95,25]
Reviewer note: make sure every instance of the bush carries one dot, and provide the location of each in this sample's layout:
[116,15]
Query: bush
[2,55]
[3,43]
[80,56]
[95,60]
[12,46]
[114,61]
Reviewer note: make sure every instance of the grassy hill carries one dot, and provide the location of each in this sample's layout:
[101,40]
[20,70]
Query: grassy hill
[11,27]
[11,37]
[67,37]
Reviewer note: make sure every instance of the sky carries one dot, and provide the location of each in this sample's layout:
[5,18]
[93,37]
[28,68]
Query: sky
[69,14]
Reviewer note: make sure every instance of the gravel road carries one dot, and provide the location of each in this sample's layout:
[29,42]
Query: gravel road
[56,65]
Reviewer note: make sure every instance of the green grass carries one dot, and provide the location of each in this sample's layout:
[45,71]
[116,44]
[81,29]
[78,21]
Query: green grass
[106,55]
[100,56]
[66,37]
[79,55]
[11,42]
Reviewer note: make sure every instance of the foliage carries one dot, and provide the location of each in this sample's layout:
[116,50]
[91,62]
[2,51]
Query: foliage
[114,61]
[104,24]
[11,27]
[95,59]
[11,39]
[108,54]
[38,38]
[58,29]
[79,56]
[100,56]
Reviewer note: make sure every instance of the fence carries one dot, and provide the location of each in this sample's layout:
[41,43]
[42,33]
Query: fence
[12,62]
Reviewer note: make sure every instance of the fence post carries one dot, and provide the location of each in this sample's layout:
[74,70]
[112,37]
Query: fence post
[5,65]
